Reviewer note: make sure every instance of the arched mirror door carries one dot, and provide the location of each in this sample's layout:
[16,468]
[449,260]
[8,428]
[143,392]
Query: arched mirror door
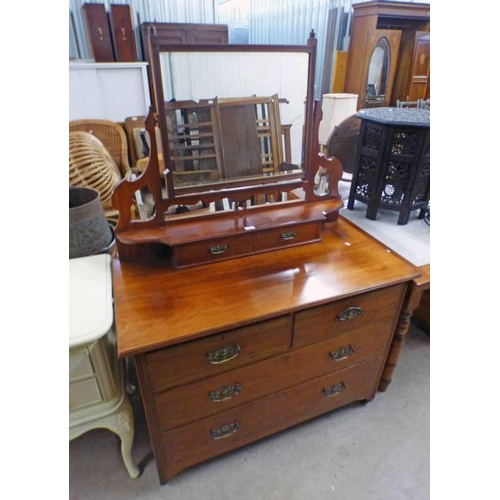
[378,72]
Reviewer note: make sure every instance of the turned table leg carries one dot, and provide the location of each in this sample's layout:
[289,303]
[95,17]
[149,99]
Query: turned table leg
[411,301]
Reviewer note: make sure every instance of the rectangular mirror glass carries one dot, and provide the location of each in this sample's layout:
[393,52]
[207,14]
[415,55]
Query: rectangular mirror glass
[232,117]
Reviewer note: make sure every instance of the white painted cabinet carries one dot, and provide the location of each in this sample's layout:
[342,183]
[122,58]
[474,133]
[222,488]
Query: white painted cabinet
[108,91]
[97,396]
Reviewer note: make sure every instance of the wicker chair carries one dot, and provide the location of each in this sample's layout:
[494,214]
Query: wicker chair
[91,165]
[111,135]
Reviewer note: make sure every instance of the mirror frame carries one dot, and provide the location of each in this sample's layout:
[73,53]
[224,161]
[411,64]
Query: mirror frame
[158,46]
[131,231]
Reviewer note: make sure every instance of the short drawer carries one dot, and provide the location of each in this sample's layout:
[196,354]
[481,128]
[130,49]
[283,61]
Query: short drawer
[80,364]
[85,393]
[332,320]
[203,398]
[212,250]
[178,365]
[212,436]
[296,234]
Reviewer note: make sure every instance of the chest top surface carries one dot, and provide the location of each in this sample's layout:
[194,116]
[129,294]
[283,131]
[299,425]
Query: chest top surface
[90,298]
[156,306]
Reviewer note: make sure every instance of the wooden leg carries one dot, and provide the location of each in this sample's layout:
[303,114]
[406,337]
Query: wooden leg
[404,217]
[410,302]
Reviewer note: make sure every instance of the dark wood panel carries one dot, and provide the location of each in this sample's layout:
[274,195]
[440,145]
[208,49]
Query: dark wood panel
[123,33]
[420,68]
[98,32]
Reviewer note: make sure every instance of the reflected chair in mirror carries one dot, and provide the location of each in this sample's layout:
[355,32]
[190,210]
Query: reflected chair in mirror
[112,136]
[406,104]
[139,143]
[424,104]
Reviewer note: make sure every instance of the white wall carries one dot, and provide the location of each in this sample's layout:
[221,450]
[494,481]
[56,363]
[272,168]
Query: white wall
[108,91]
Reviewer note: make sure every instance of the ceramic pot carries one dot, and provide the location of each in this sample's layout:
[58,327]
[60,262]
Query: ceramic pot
[89,231]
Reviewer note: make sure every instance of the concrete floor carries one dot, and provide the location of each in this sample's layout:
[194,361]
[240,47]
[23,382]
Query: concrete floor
[379,451]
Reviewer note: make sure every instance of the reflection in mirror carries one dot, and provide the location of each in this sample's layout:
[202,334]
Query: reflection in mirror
[233,116]
[376,83]
[143,204]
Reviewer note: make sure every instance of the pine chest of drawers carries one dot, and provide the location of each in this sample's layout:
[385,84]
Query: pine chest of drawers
[235,351]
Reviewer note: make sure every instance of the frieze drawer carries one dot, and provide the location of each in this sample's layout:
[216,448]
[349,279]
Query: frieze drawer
[286,236]
[203,398]
[191,254]
[338,318]
[212,436]
[195,360]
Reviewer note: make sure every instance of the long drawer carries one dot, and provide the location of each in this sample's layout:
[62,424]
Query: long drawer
[332,320]
[212,436]
[207,397]
[217,354]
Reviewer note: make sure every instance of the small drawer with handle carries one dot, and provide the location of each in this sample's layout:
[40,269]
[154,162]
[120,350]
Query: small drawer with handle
[195,253]
[296,234]
[345,316]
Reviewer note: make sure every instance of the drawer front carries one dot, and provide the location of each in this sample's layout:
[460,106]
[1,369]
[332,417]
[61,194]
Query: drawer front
[217,354]
[203,398]
[332,320]
[288,236]
[212,436]
[213,250]
[83,394]
[80,364]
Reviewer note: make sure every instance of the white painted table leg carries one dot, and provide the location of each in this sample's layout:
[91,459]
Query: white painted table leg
[121,422]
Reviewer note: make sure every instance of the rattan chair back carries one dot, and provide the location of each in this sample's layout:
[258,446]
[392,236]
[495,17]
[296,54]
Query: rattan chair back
[112,135]
[91,165]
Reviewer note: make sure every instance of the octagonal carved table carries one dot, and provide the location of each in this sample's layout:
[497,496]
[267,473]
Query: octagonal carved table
[392,163]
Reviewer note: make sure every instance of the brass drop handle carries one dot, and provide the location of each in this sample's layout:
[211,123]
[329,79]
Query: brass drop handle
[350,313]
[218,249]
[124,36]
[225,431]
[223,355]
[342,353]
[224,393]
[290,235]
[99,32]
[330,392]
